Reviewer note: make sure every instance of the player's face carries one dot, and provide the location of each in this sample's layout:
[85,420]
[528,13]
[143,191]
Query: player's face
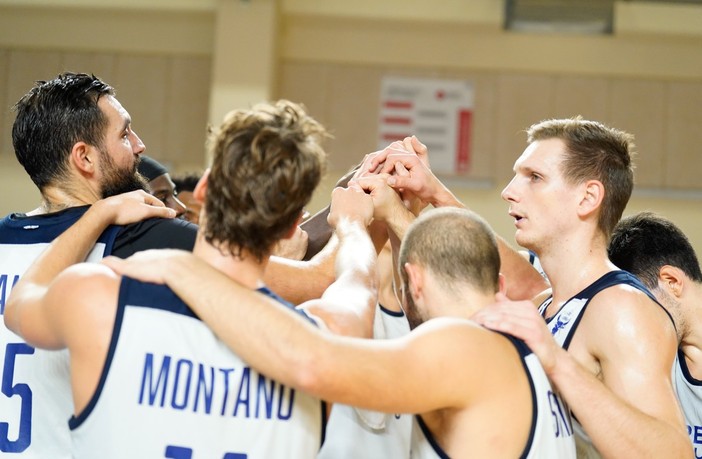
[119,154]
[193,206]
[540,201]
[163,188]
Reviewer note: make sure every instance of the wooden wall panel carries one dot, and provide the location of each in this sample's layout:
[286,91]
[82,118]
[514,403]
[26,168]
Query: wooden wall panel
[185,119]
[26,67]
[587,97]
[683,161]
[6,114]
[306,83]
[141,83]
[102,65]
[483,160]
[639,107]
[522,100]
[354,94]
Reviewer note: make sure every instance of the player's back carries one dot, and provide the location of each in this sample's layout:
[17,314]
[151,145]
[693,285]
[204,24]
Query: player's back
[36,399]
[170,388]
[489,427]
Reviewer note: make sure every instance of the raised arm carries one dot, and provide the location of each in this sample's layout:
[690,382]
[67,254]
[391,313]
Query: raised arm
[25,313]
[347,307]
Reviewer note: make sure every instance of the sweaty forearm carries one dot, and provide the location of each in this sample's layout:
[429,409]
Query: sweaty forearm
[616,428]
[255,327]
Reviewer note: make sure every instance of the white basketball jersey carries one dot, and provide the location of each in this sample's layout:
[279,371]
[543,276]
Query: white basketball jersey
[352,432]
[35,395]
[551,434]
[564,323]
[171,389]
[689,393]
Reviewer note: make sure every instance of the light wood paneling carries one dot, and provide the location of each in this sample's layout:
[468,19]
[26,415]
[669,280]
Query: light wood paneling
[6,115]
[581,96]
[354,95]
[306,83]
[141,83]
[639,107]
[683,161]
[102,65]
[26,67]
[185,119]
[522,100]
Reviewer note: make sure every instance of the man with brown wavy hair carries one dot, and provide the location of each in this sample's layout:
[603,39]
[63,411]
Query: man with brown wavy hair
[141,356]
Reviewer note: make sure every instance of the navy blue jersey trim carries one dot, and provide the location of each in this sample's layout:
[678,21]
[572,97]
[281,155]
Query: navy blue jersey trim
[524,351]
[686,371]
[430,438]
[75,421]
[20,229]
[324,423]
[609,279]
[387,311]
[36,229]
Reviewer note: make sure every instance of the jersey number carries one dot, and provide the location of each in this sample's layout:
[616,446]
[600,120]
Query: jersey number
[25,393]
[180,452]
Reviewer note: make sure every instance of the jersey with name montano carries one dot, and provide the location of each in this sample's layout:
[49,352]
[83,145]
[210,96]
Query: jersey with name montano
[565,322]
[36,400]
[171,389]
[551,435]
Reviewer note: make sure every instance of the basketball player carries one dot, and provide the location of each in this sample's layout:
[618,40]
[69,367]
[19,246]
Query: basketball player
[479,393]
[76,142]
[140,355]
[658,252]
[613,346]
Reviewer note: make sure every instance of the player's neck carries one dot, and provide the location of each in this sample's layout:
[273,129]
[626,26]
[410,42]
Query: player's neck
[571,270]
[245,269]
[55,199]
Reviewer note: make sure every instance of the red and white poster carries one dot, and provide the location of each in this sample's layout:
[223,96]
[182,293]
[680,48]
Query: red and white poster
[439,112]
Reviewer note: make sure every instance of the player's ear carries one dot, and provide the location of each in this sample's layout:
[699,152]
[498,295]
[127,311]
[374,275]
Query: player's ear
[593,194]
[201,188]
[415,276]
[84,157]
[672,280]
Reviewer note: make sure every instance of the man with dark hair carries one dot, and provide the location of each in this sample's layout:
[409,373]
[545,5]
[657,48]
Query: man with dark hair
[185,185]
[658,252]
[613,346]
[127,338]
[159,184]
[75,141]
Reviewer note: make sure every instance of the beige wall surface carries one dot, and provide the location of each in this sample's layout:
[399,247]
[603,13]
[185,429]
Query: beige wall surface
[175,68]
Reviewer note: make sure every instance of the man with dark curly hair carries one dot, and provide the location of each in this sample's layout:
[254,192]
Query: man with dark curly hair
[149,378]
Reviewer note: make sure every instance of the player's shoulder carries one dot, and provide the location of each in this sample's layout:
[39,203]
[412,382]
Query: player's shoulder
[84,282]
[466,338]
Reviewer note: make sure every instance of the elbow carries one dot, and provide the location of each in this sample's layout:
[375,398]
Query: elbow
[11,316]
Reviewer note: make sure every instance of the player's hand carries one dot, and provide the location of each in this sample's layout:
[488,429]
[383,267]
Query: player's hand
[522,320]
[412,145]
[150,265]
[386,201]
[135,206]
[350,203]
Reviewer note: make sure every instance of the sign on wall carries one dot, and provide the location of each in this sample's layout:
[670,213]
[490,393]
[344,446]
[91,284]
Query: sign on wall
[439,112]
